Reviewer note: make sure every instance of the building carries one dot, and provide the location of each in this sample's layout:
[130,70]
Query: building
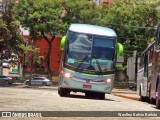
[55,55]
[102,2]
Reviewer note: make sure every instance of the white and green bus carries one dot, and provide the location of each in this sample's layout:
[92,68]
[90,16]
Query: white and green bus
[88,60]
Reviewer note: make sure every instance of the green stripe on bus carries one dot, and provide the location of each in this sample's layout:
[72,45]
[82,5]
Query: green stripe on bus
[89,74]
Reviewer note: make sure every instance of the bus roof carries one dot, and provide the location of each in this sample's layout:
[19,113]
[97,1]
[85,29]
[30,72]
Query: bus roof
[92,29]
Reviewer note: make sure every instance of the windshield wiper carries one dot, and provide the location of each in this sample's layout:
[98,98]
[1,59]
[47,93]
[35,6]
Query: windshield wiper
[99,67]
[84,59]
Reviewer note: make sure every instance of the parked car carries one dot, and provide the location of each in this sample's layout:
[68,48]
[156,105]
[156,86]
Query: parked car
[5,63]
[6,79]
[38,81]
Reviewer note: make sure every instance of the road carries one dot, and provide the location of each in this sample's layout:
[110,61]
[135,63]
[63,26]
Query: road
[34,99]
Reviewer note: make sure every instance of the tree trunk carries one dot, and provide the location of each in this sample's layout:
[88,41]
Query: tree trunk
[47,59]
[31,68]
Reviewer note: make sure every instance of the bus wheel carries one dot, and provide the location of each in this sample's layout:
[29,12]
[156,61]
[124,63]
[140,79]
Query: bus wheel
[157,103]
[142,98]
[62,92]
[101,96]
[88,94]
[152,100]
[158,97]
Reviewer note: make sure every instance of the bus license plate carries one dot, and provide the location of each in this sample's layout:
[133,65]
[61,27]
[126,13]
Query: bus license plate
[87,86]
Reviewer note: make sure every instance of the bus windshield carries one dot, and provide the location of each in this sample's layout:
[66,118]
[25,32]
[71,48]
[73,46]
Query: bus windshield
[90,53]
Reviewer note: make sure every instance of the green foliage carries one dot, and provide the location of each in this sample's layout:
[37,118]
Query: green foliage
[42,17]
[133,21]
[80,11]
[4,33]
[10,34]
[120,67]
[51,18]
[33,56]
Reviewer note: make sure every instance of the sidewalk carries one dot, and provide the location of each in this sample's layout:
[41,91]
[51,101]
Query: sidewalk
[126,93]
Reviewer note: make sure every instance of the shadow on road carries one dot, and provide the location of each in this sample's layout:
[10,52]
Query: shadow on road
[21,85]
[84,97]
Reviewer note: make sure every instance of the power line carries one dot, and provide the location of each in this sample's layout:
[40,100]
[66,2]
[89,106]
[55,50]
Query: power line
[133,38]
[142,27]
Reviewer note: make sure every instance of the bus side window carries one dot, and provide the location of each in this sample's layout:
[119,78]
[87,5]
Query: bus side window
[146,65]
[142,61]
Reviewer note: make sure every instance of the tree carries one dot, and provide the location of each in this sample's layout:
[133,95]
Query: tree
[10,34]
[80,11]
[11,38]
[34,60]
[49,19]
[42,18]
[134,22]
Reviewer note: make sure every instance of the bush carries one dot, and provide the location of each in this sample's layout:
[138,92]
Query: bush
[124,85]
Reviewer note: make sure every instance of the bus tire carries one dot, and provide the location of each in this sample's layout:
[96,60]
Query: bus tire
[62,92]
[157,103]
[158,97]
[101,96]
[152,100]
[89,94]
[142,98]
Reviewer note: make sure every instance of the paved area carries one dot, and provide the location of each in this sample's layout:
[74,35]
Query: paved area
[125,93]
[23,98]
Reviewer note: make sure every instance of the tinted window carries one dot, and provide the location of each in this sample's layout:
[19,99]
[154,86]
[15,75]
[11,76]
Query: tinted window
[39,78]
[3,77]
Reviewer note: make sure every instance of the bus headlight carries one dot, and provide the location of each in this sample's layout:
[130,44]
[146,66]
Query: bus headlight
[108,80]
[66,74]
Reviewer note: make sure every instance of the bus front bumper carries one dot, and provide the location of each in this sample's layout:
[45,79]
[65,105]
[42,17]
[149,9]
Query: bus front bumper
[79,86]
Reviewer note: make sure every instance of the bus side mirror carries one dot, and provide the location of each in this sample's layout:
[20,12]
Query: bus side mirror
[62,44]
[120,50]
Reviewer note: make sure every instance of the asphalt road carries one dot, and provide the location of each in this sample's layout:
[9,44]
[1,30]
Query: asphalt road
[33,99]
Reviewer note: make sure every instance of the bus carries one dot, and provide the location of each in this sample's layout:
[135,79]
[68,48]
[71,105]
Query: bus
[88,60]
[144,72]
[148,77]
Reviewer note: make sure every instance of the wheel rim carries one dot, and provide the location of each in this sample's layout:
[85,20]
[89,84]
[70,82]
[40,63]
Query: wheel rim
[44,84]
[27,83]
[7,82]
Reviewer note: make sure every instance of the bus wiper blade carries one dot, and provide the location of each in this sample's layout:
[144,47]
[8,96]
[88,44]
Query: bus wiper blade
[82,62]
[99,67]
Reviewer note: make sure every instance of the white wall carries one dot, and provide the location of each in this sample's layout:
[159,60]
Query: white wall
[131,68]
[96,1]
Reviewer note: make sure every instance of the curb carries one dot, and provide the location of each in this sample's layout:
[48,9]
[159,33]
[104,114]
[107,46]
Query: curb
[127,97]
